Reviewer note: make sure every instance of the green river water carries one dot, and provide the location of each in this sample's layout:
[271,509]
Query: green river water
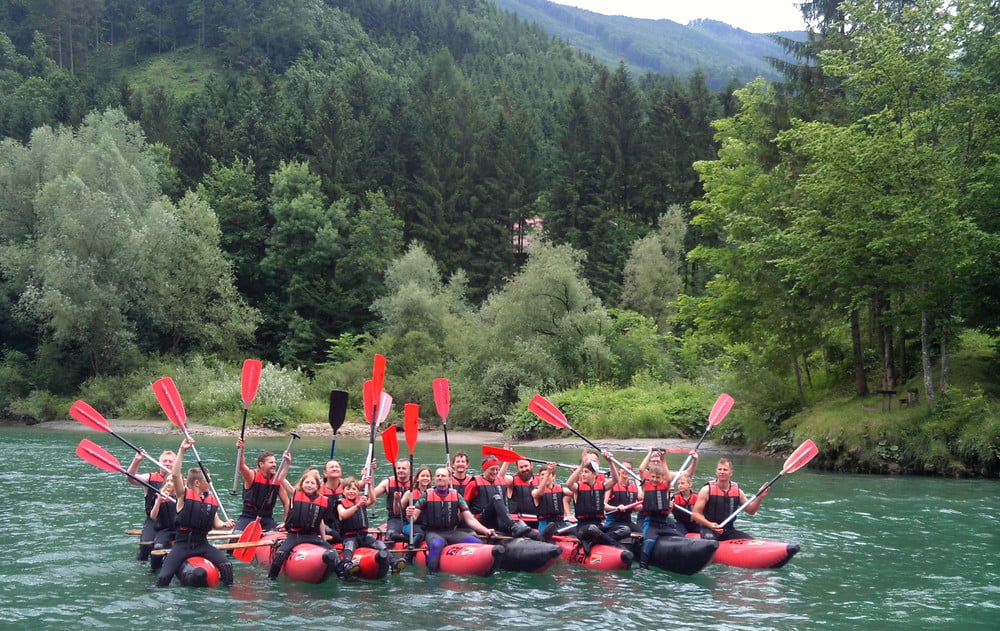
[877,553]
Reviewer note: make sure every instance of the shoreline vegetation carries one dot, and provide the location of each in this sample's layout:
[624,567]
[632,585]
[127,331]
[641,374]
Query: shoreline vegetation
[361,431]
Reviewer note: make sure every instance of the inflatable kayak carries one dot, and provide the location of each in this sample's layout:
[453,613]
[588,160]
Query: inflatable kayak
[528,555]
[306,564]
[198,572]
[600,557]
[753,553]
[470,559]
[681,555]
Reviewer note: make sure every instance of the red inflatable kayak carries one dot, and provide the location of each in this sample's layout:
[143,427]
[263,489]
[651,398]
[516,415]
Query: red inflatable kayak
[198,572]
[306,564]
[753,553]
[470,559]
[601,556]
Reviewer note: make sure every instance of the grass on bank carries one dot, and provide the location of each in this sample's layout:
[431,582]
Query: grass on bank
[959,437]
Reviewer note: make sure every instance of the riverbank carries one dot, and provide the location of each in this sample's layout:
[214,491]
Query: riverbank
[361,431]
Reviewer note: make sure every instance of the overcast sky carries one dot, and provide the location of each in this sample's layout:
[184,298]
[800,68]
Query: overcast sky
[755,16]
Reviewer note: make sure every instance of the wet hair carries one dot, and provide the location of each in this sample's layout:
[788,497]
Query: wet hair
[657,469]
[264,455]
[684,476]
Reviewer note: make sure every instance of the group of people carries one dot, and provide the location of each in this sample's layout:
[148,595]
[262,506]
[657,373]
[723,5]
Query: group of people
[448,505]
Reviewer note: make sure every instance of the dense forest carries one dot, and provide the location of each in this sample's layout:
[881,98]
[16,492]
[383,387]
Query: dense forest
[187,182]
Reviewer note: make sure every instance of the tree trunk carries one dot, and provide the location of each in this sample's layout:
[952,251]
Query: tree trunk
[798,374]
[860,375]
[945,360]
[925,359]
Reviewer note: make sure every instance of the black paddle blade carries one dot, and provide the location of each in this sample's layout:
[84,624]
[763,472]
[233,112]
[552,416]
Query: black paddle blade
[338,409]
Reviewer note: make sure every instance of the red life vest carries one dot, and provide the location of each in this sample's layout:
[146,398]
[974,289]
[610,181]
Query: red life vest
[306,513]
[357,522]
[440,512]
[260,497]
[520,496]
[393,490]
[198,513]
[721,505]
[655,499]
[590,500]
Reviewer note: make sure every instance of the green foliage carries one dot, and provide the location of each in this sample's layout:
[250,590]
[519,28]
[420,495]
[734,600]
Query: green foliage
[653,411]
[39,406]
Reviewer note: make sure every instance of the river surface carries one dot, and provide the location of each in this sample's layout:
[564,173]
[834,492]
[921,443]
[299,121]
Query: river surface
[877,553]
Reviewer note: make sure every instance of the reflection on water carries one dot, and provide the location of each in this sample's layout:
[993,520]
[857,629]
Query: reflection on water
[877,553]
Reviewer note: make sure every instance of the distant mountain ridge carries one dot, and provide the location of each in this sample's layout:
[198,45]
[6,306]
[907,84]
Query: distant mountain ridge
[663,46]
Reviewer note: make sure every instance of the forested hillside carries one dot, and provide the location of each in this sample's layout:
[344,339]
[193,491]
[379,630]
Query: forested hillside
[185,183]
[724,54]
[461,119]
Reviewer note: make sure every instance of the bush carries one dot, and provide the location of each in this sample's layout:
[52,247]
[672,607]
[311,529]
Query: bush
[40,406]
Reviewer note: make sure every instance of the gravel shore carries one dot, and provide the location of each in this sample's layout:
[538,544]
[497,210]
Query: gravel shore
[361,430]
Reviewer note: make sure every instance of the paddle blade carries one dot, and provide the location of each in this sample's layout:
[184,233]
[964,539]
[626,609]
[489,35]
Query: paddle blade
[250,380]
[98,456]
[378,374]
[90,417]
[442,398]
[170,401]
[800,457]
[721,408]
[250,534]
[548,412]
[384,405]
[368,400]
[338,409]
[390,443]
[411,424]
[501,454]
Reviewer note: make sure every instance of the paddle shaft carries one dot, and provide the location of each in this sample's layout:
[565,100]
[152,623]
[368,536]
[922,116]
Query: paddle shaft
[139,451]
[149,486]
[239,455]
[750,500]
[631,473]
[371,449]
[204,472]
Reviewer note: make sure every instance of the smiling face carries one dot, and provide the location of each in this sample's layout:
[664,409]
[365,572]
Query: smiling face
[460,463]
[310,485]
[424,478]
[351,491]
[403,470]
[723,472]
[332,470]
[267,464]
[524,470]
[167,459]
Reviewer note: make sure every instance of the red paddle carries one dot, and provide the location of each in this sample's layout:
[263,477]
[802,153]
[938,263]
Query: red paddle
[249,381]
[411,425]
[100,458]
[549,413]
[442,401]
[799,458]
[250,534]
[719,411]
[509,455]
[90,417]
[172,405]
[371,400]
[390,444]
